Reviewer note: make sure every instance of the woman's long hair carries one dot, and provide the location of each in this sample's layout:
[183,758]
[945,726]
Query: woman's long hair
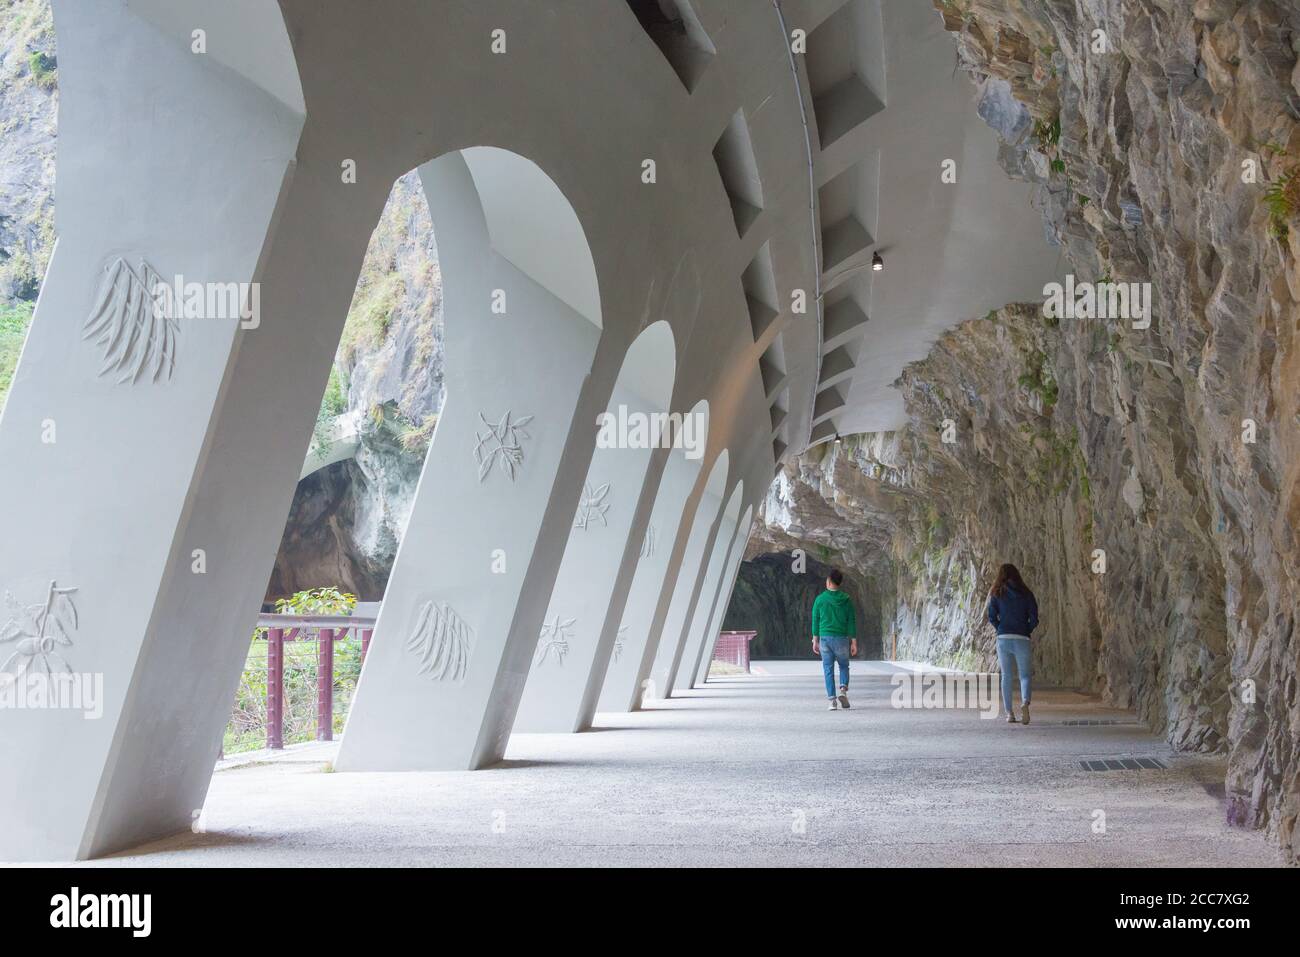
[1008,575]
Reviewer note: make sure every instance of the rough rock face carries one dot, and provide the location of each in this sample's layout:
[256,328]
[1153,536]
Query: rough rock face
[777,603]
[346,520]
[28,108]
[1154,144]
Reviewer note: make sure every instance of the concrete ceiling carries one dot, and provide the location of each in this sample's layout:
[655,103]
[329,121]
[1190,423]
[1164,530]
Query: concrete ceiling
[890,109]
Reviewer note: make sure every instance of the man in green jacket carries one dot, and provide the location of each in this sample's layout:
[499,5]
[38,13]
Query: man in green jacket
[835,636]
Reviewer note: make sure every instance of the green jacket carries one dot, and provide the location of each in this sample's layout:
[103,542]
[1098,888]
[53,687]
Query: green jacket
[832,615]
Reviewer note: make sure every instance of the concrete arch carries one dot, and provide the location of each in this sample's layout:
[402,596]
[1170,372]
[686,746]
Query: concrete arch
[532,225]
[247,37]
[498,452]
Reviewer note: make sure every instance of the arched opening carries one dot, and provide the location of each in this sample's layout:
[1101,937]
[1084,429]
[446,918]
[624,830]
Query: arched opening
[509,251]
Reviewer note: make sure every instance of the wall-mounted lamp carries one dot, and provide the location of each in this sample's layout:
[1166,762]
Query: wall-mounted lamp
[877,264]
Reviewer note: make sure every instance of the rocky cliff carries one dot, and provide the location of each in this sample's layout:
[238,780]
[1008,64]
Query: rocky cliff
[1144,479]
[29,99]
[347,519]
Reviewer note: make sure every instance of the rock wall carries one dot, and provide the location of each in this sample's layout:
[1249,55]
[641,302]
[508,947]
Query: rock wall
[347,519]
[29,101]
[1162,136]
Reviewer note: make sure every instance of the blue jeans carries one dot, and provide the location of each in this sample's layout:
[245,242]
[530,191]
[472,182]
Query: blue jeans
[1014,648]
[835,651]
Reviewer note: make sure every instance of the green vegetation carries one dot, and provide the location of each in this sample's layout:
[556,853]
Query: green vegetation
[42,68]
[1282,200]
[376,299]
[317,601]
[14,321]
[1039,379]
[1048,134]
[962,659]
[1282,195]
[416,438]
[936,530]
[333,404]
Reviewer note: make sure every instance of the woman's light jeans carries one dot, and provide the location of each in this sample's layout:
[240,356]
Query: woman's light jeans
[1014,648]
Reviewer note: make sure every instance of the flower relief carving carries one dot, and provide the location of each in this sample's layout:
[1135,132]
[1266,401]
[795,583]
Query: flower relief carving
[501,444]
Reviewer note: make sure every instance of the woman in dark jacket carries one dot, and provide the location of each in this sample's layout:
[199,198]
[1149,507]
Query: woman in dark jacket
[1013,612]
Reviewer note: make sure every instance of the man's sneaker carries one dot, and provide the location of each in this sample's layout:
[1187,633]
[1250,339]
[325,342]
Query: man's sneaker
[844,697]
[833,705]
[1011,717]
[1024,713]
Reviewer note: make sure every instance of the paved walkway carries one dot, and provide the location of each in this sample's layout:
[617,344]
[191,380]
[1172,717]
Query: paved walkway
[749,770]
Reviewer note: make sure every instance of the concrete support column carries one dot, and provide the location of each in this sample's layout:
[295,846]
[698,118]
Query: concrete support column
[169,164]
[684,590]
[495,505]
[725,589]
[693,635]
[655,573]
[583,623]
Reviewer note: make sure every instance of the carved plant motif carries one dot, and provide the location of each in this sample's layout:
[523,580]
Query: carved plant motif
[133,322]
[502,442]
[441,641]
[555,637]
[648,543]
[39,630]
[593,506]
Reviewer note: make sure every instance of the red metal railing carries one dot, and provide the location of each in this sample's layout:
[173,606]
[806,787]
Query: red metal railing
[733,647]
[325,630]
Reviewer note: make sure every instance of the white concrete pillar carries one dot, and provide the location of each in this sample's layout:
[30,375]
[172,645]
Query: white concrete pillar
[465,602]
[682,592]
[582,623]
[621,690]
[169,164]
[692,638]
[724,597]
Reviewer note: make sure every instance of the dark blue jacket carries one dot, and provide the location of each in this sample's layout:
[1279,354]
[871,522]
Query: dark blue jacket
[1014,613]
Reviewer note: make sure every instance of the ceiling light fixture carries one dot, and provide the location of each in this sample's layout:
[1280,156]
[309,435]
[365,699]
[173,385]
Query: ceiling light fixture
[877,264]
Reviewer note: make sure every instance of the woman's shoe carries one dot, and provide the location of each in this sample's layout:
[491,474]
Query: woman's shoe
[844,697]
[1024,713]
[833,705]
[1011,717]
